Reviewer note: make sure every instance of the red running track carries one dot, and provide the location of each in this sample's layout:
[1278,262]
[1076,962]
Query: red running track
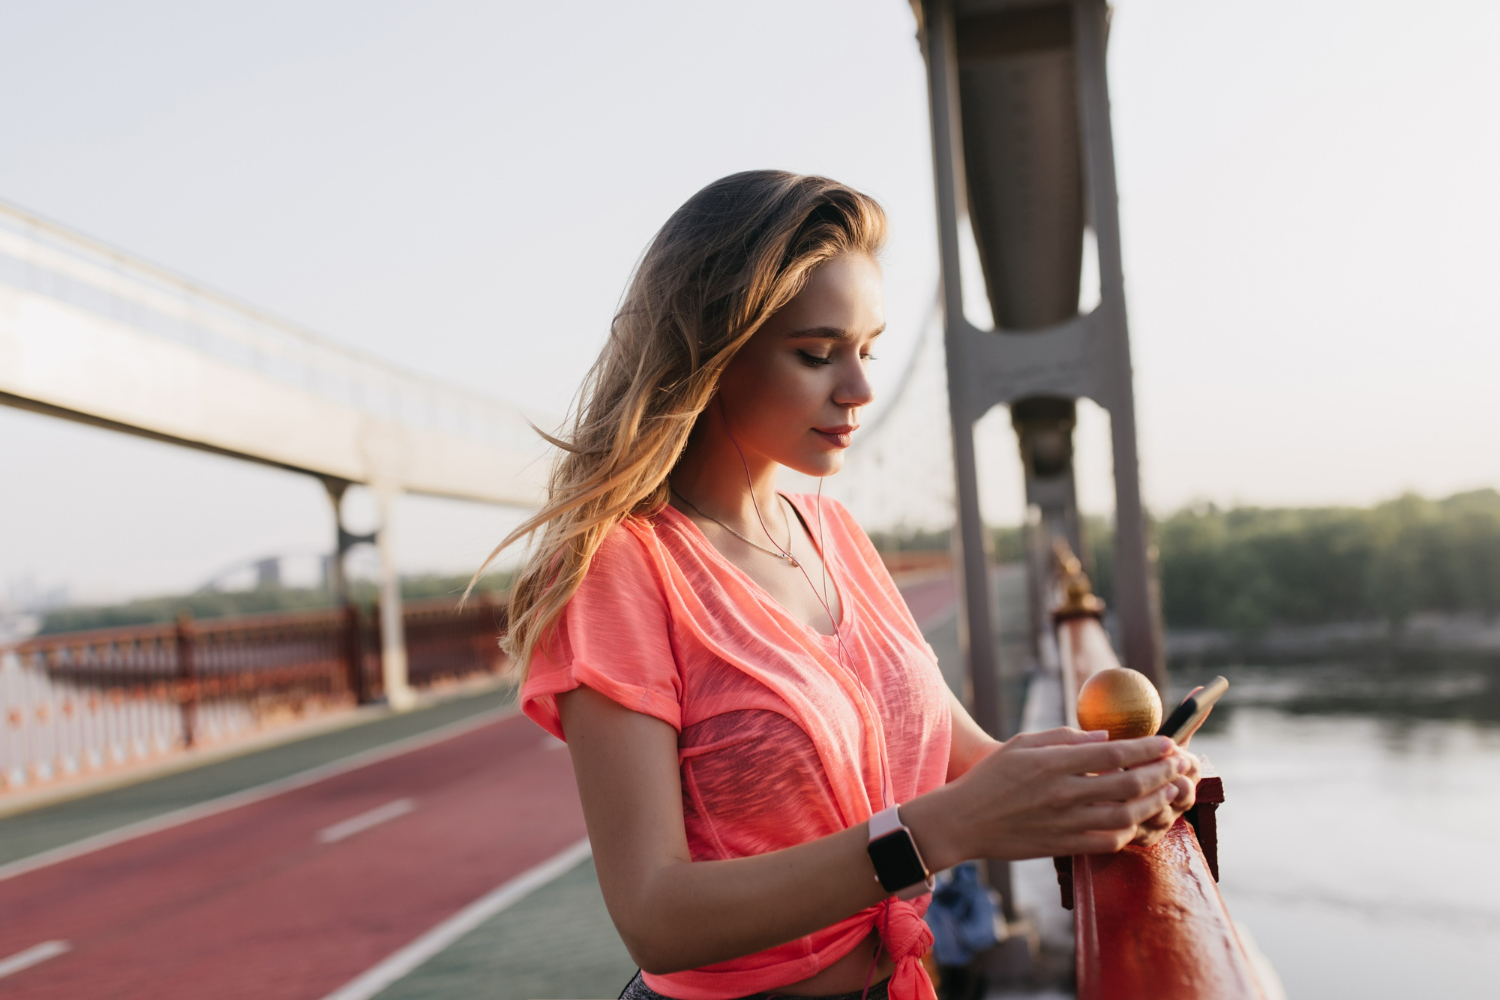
[250,903]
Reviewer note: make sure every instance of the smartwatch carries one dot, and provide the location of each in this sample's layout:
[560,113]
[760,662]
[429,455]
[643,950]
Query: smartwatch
[899,867]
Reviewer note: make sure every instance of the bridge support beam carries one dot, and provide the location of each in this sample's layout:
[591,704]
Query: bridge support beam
[393,661]
[976,633]
[1044,430]
[1022,148]
[393,666]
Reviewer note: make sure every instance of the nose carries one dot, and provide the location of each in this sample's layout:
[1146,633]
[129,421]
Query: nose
[854,389]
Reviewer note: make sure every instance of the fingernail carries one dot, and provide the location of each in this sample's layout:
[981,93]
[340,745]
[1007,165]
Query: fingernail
[1098,734]
[1164,744]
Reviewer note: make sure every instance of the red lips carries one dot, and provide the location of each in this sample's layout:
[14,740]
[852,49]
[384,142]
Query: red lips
[840,436]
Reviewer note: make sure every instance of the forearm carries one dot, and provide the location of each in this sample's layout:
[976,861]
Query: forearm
[671,912]
[686,914]
[690,914]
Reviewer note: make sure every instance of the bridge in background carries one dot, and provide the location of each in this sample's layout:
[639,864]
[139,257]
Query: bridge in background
[91,334]
[1023,158]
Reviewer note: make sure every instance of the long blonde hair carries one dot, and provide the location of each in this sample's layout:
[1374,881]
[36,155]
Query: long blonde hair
[724,263]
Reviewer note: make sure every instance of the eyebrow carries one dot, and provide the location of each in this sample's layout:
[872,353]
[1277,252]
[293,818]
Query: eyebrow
[826,333]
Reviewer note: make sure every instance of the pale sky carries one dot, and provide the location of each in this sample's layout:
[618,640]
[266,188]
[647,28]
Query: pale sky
[1307,194]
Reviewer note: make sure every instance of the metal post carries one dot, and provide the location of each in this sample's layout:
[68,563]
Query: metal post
[338,582]
[1044,430]
[1021,141]
[1135,598]
[354,654]
[976,634]
[393,666]
[187,680]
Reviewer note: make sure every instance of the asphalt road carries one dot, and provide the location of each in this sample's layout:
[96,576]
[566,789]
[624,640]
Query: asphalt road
[297,893]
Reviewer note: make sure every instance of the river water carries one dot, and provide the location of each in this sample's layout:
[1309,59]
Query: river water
[1360,840]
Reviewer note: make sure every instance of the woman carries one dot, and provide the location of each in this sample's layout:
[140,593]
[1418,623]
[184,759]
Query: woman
[743,691]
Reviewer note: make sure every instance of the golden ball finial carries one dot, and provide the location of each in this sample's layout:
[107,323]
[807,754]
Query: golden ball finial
[1122,701]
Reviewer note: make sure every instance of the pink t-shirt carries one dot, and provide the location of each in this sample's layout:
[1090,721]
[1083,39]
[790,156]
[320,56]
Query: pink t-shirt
[780,738]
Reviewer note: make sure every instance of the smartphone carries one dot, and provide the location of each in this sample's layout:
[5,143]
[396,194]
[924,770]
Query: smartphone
[1187,717]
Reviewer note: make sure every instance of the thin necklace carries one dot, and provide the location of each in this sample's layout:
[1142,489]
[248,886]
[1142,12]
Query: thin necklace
[778,553]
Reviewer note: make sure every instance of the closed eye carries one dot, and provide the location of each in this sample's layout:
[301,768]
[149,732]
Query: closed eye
[814,360]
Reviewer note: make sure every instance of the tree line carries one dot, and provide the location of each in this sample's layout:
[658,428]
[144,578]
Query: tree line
[1247,568]
[1240,568]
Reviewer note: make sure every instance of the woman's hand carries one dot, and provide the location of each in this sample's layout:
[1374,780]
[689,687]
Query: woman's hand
[1153,828]
[1051,793]
[1156,827]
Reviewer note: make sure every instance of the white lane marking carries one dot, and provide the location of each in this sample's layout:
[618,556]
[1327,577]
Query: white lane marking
[365,820]
[34,955]
[401,962]
[247,796]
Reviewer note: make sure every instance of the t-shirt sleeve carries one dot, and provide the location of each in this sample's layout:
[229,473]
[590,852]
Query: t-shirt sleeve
[613,636]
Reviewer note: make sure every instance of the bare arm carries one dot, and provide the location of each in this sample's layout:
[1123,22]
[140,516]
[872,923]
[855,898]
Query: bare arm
[673,914]
[971,744]
[1030,799]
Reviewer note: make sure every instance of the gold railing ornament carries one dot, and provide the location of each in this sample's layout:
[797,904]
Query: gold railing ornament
[1078,599]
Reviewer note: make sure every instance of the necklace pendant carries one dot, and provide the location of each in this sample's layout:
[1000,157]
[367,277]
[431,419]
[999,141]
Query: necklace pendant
[793,562]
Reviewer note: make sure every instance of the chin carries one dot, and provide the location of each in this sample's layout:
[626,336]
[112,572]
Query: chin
[819,466]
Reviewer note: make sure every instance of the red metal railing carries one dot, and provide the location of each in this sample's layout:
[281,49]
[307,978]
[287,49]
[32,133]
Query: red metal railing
[1149,922]
[85,701]
[444,643]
